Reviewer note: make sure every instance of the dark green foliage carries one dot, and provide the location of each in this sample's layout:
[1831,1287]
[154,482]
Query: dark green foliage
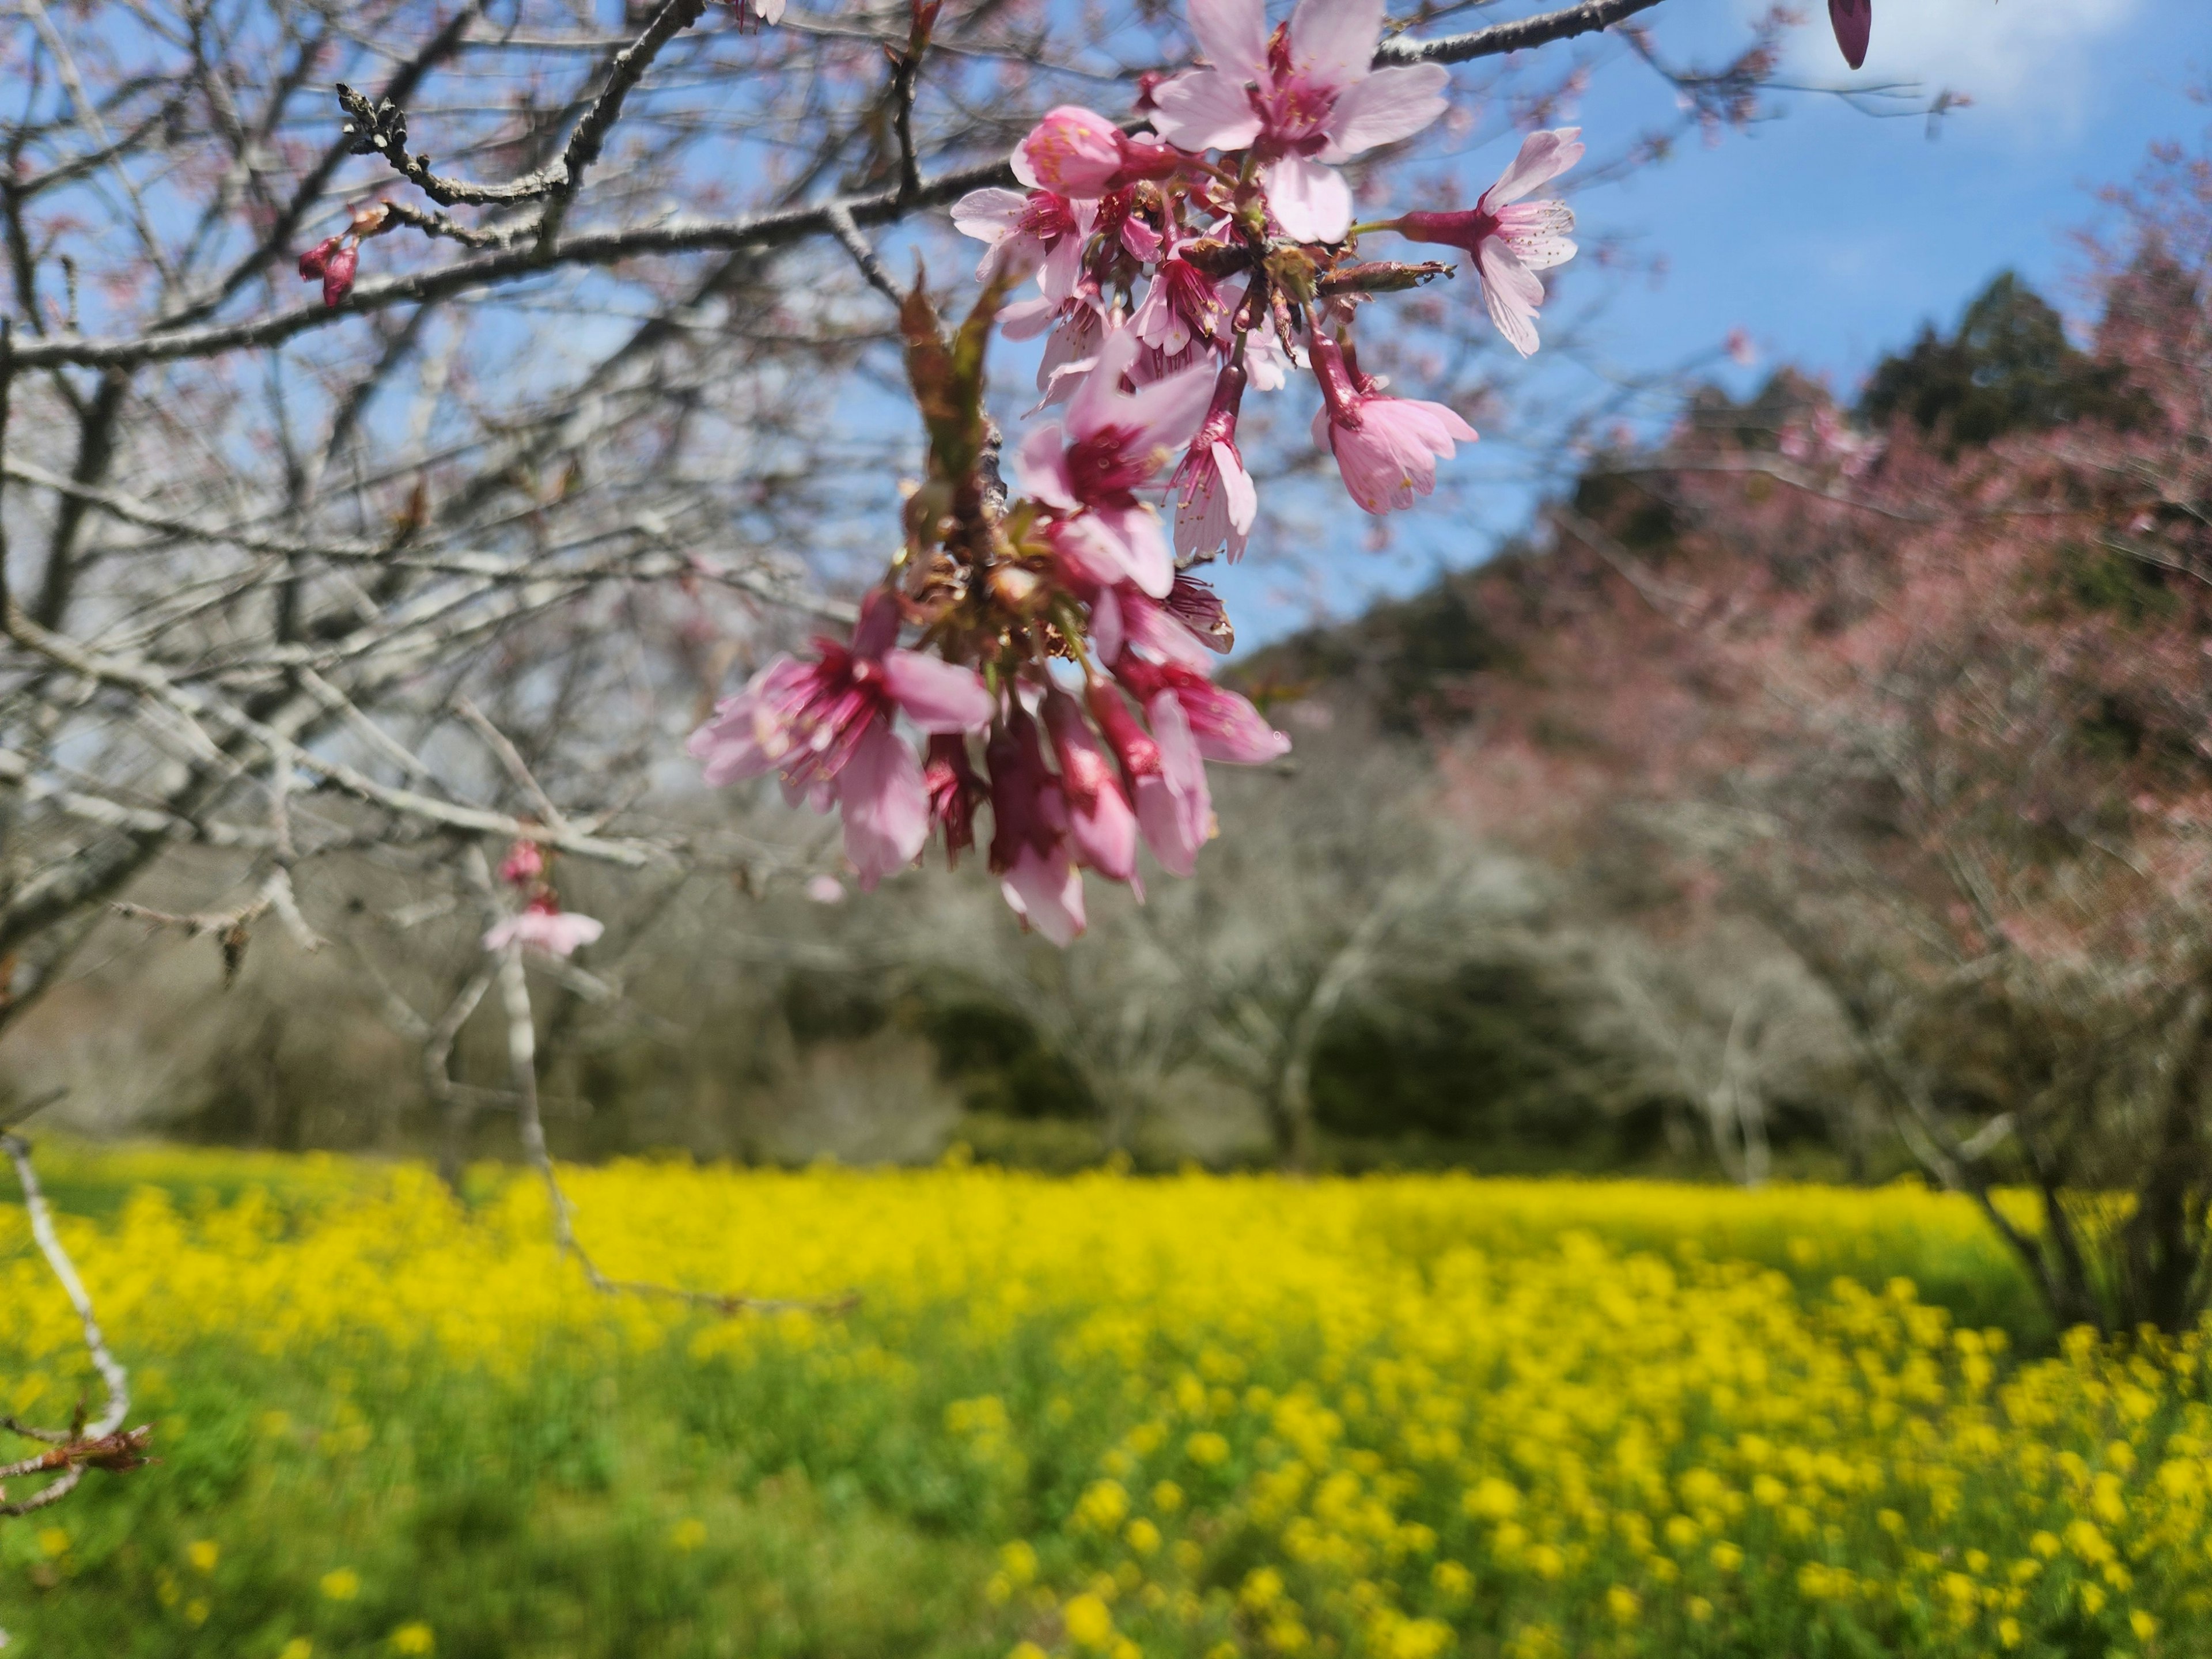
[2008,368]
[1000,1066]
[1488,1055]
[1405,658]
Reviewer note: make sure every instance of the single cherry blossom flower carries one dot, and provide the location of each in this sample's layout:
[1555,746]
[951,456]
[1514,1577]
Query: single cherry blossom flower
[1078,152]
[1215,501]
[1101,827]
[1225,727]
[1165,773]
[1030,852]
[1036,230]
[1387,448]
[1112,444]
[1184,307]
[826,726]
[1511,240]
[1124,619]
[543,925]
[1300,98]
[1853,21]
[825,889]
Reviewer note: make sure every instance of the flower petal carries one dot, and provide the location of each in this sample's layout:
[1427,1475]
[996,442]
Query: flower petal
[937,696]
[1332,41]
[1204,110]
[885,806]
[1233,35]
[1311,202]
[1388,105]
[1040,466]
[1544,156]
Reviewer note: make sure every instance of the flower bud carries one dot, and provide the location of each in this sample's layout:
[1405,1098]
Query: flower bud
[338,274]
[317,259]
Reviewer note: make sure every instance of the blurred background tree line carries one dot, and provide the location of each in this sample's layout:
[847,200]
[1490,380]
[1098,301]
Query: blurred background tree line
[1821,788]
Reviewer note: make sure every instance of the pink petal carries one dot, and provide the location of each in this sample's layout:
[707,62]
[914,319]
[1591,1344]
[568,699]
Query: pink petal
[1098,404]
[1106,635]
[1544,156]
[988,215]
[1204,110]
[1512,292]
[1046,890]
[1389,105]
[1233,35]
[1332,41]
[1165,414]
[1040,466]
[885,806]
[1311,202]
[937,696]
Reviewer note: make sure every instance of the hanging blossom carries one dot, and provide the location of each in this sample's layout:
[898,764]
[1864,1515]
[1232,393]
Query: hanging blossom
[541,924]
[1059,671]
[1511,240]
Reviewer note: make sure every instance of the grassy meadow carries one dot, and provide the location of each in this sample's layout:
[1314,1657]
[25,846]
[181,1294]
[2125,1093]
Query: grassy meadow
[1093,1418]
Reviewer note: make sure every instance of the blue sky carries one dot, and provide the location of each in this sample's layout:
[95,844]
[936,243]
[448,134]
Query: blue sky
[1831,236]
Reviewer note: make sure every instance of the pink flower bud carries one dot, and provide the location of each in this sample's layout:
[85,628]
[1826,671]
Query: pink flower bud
[953,789]
[337,274]
[1078,152]
[317,259]
[524,864]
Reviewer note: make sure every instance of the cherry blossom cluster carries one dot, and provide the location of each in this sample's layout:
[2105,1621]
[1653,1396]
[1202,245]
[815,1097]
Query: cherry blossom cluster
[1060,668]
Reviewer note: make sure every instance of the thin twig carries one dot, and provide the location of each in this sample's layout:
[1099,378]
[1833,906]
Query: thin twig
[112,1374]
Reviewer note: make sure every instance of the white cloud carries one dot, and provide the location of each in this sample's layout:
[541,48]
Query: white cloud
[2014,57]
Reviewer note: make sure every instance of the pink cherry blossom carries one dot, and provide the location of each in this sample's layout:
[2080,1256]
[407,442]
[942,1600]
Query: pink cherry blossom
[1035,230]
[1511,240]
[1225,727]
[1101,826]
[1183,307]
[1215,501]
[1030,852]
[1112,444]
[825,889]
[1301,98]
[543,925]
[1166,773]
[1124,619]
[826,726]
[1078,152]
[1387,448]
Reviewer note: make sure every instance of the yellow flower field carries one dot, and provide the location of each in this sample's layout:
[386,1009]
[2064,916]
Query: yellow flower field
[1104,1416]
